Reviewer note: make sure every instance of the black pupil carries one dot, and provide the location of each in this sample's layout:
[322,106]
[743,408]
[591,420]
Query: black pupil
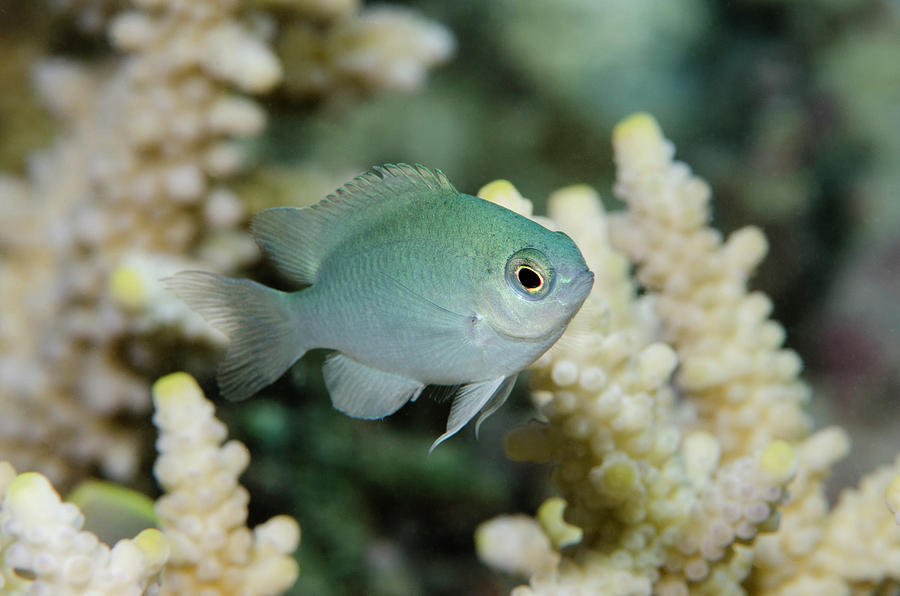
[528,278]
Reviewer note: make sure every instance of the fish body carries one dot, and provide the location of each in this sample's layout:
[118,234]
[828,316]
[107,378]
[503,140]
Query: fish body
[411,282]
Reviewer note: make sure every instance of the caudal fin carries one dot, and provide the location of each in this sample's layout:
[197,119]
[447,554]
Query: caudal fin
[262,324]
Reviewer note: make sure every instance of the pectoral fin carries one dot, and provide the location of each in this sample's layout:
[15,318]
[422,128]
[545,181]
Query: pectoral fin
[471,399]
[364,392]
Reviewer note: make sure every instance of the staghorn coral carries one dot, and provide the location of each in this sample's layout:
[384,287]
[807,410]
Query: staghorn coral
[642,498]
[705,481]
[732,369]
[204,509]
[132,191]
[380,48]
[852,549]
[133,172]
[201,547]
[42,537]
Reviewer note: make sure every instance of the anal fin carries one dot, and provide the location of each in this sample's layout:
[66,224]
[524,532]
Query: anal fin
[497,400]
[364,392]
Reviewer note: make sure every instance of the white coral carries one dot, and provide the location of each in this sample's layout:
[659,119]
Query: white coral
[46,552]
[130,185]
[202,546]
[685,497]
[204,509]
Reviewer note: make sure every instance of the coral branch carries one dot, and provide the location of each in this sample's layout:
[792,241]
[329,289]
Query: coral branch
[45,551]
[133,173]
[380,48]
[732,367]
[704,481]
[204,509]
[202,545]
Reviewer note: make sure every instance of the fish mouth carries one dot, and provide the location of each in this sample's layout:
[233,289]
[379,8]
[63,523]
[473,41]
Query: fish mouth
[578,289]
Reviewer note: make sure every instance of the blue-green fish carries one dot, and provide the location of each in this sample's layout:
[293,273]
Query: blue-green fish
[411,282]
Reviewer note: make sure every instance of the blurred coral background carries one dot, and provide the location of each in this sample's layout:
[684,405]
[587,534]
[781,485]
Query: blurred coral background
[790,111]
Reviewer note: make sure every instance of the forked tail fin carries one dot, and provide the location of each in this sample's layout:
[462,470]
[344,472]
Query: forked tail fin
[263,325]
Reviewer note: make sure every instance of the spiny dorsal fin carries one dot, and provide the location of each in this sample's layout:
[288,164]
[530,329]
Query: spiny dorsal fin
[299,239]
[399,178]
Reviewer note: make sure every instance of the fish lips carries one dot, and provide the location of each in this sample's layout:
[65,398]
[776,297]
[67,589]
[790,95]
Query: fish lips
[578,289]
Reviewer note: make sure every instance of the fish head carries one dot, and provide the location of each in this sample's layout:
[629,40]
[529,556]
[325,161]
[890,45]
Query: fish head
[541,282]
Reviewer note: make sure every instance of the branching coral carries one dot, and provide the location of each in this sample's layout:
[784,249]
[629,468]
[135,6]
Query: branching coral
[204,509]
[42,537]
[380,48]
[134,171]
[744,387]
[678,482]
[202,545]
[852,549]
[132,191]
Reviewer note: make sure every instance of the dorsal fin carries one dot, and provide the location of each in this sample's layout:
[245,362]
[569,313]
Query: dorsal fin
[299,239]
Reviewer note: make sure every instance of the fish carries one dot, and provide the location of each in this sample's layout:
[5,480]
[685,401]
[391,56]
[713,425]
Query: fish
[410,282]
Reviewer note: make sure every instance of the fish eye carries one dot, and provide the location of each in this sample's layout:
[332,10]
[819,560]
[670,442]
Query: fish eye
[529,273]
[530,279]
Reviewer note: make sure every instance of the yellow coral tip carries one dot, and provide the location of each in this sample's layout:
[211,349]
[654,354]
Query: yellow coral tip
[551,517]
[580,199]
[174,385]
[893,498]
[27,483]
[499,191]
[127,288]
[575,196]
[30,495]
[503,193]
[639,125]
[778,461]
[154,546]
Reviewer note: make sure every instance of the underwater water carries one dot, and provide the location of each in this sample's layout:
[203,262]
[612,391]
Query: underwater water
[138,138]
